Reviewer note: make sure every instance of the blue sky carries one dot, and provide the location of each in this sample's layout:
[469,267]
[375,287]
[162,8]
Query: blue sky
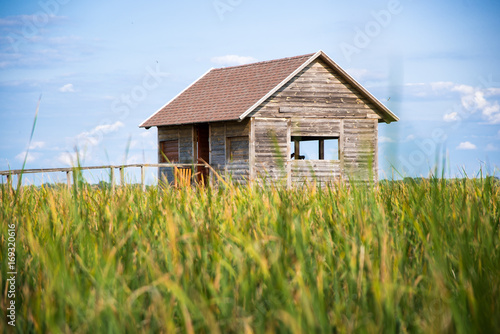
[102,67]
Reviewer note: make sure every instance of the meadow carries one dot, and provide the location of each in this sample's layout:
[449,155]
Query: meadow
[419,256]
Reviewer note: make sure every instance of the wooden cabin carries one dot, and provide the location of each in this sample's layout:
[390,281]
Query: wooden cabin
[293,119]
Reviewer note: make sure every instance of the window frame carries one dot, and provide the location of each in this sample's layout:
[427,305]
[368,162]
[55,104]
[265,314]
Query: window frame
[296,140]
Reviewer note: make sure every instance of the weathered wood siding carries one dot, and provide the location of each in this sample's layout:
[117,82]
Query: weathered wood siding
[182,133]
[271,148]
[218,146]
[219,134]
[315,127]
[317,102]
[360,149]
[317,91]
[186,145]
[320,171]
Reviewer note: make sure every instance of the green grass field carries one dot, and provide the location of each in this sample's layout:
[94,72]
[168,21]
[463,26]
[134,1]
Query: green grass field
[402,257]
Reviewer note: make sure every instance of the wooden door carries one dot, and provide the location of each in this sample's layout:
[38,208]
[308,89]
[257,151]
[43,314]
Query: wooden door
[203,150]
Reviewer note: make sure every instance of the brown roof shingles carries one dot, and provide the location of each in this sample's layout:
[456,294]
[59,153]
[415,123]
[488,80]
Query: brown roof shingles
[226,93]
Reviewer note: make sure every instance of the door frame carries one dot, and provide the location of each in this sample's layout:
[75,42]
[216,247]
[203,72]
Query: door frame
[202,149]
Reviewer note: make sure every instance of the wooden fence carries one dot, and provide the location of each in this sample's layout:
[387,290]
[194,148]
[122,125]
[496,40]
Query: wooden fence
[69,170]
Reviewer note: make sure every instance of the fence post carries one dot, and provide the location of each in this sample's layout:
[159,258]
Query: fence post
[112,177]
[68,179]
[9,182]
[122,176]
[143,172]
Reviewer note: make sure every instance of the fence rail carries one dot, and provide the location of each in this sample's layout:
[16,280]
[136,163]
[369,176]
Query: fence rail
[69,170]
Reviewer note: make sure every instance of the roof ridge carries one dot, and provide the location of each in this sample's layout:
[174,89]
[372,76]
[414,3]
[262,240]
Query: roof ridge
[264,62]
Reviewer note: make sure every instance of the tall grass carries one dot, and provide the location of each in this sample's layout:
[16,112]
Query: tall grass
[400,257]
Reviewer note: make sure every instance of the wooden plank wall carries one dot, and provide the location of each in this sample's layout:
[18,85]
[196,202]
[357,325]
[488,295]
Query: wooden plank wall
[318,102]
[219,133]
[239,170]
[317,91]
[218,146]
[182,133]
[315,127]
[272,147]
[186,145]
[320,171]
[360,149]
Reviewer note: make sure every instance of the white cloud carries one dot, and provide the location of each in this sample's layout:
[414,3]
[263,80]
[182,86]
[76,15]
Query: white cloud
[68,88]
[491,147]
[73,158]
[69,159]
[464,89]
[108,128]
[65,158]
[493,91]
[233,60]
[451,117]
[36,144]
[472,99]
[383,139]
[31,156]
[410,137]
[492,111]
[94,136]
[466,145]
[475,100]
[85,142]
[441,85]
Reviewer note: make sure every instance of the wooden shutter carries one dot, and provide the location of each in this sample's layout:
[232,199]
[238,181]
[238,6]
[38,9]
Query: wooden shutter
[169,149]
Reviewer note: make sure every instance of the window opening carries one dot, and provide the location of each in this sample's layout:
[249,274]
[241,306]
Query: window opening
[314,148]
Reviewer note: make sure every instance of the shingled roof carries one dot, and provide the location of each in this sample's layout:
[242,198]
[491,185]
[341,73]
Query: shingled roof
[231,93]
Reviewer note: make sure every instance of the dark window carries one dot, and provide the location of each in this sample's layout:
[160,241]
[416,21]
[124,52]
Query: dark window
[237,148]
[315,148]
[169,151]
